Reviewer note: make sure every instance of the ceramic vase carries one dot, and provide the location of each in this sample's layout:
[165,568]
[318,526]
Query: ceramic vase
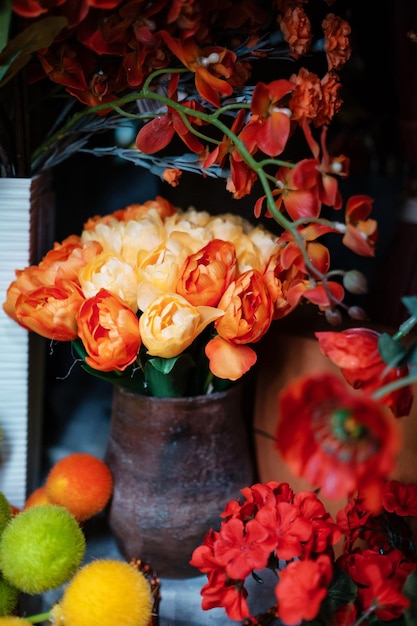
[175,464]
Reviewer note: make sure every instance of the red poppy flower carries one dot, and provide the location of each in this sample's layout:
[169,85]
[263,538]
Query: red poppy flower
[355,351]
[338,440]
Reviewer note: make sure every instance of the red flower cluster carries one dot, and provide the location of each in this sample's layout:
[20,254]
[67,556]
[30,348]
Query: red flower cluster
[272,524]
[293,535]
[385,556]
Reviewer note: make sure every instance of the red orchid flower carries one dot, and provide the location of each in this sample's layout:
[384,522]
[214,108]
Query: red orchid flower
[298,201]
[158,133]
[75,67]
[326,169]
[242,177]
[355,351]
[269,126]
[213,66]
[361,233]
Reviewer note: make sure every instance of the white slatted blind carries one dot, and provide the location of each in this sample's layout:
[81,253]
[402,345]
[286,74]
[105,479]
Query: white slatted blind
[14,341]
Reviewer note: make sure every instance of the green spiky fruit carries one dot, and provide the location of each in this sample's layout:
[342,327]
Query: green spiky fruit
[5,512]
[41,548]
[9,596]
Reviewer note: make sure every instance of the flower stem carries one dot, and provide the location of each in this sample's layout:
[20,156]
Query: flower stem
[40,617]
[405,328]
[396,384]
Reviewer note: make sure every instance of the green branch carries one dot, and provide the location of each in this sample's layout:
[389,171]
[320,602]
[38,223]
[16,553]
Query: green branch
[212,119]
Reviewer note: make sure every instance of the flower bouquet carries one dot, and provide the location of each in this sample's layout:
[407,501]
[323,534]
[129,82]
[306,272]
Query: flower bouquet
[158,300]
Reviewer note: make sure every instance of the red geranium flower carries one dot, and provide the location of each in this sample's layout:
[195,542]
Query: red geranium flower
[301,589]
[400,498]
[355,351]
[338,440]
[380,579]
[241,548]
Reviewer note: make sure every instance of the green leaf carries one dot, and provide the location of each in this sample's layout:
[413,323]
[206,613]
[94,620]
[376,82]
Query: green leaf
[342,591]
[18,51]
[410,591]
[410,303]
[5,17]
[391,351]
[169,378]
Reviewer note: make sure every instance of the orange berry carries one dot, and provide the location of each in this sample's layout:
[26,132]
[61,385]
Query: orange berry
[39,496]
[80,482]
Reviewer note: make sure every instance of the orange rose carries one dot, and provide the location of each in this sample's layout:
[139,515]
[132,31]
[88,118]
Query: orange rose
[65,260]
[248,313]
[248,309]
[109,331]
[51,311]
[207,273]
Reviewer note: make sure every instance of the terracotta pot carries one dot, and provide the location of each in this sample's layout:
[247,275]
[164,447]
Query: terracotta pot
[175,463]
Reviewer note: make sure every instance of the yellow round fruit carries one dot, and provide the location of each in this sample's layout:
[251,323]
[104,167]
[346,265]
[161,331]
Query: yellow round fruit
[105,592]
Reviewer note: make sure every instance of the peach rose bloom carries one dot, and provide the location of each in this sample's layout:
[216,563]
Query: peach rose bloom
[170,324]
[51,311]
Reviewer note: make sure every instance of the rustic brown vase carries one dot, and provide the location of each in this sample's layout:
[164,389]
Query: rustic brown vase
[175,464]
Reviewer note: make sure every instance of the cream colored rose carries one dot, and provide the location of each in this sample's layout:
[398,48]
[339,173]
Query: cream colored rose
[255,249]
[170,324]
[128,238]
[190,229]
[162,266]
[110,272]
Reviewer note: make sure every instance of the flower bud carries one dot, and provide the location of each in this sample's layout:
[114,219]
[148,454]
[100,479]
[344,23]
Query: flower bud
[333,317]
[357,313]
[355,282]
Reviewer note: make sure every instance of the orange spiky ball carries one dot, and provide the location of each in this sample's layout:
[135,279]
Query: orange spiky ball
[80,482]
[37,497]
